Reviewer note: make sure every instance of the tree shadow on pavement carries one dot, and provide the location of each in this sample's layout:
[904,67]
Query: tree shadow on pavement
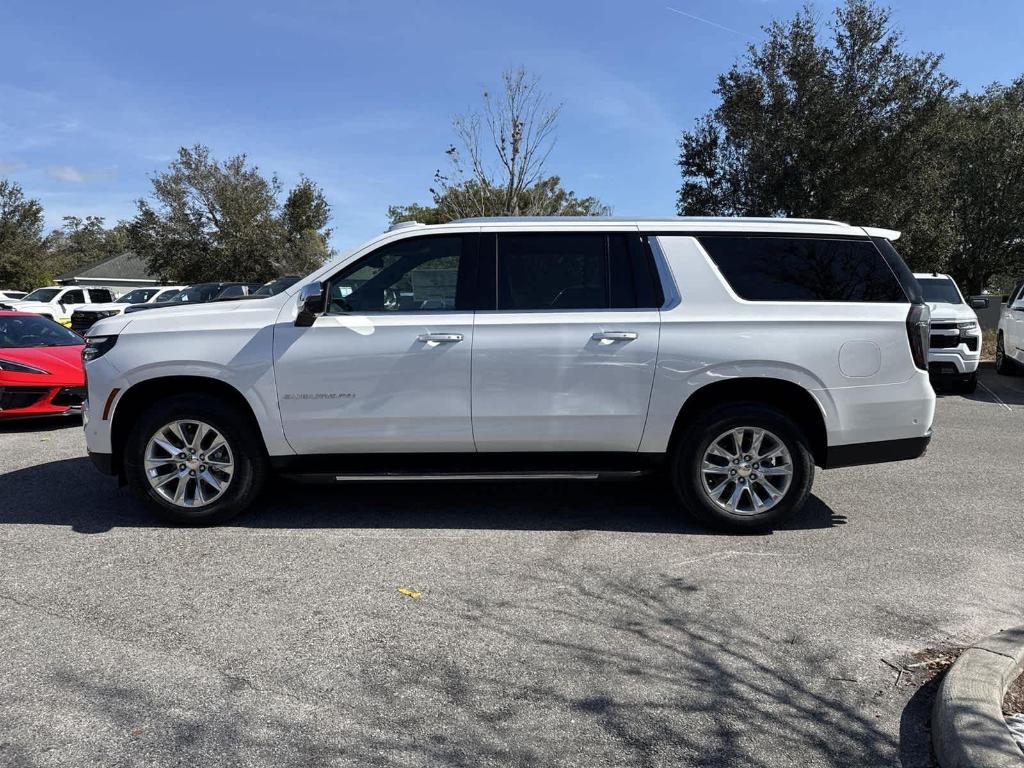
[71,492]
[597,670]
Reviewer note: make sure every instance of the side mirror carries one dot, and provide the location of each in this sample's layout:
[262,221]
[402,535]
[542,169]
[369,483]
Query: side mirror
[979,303]
[312,302]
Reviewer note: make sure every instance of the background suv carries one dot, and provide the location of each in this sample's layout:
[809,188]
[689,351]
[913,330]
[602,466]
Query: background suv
[954,351]
[732,355]
[82,319]
[200,293]
[1010,335]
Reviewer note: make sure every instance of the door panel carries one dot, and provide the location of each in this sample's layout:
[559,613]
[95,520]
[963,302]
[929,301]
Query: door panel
[387,369]
[543,382]
[376,383]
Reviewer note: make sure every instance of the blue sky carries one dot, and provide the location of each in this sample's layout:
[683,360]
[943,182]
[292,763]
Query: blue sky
[359,95]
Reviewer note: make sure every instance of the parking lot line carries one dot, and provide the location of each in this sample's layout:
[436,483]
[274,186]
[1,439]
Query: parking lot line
[996,397]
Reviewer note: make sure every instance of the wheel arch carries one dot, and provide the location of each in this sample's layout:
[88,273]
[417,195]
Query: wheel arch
[135,399]
[789,398]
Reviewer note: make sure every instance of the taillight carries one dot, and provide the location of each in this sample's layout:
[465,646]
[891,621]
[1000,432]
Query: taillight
[918,324]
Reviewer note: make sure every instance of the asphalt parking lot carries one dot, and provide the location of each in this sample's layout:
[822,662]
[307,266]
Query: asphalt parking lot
[583,625]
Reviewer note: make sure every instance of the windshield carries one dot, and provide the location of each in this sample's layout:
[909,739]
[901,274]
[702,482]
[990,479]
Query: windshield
[20,331]
[138,296]
[939,290]
[274,287]
[43,294]
[196,294]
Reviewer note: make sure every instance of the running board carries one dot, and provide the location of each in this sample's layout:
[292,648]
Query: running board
[387,477]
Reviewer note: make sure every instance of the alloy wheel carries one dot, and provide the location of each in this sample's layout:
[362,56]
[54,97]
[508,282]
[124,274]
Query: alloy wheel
[189,463]
[746,470]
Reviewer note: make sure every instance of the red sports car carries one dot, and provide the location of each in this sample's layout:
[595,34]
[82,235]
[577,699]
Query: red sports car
[41,371]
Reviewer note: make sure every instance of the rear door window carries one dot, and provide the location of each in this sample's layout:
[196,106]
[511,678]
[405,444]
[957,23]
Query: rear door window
[766,268]
[568,271]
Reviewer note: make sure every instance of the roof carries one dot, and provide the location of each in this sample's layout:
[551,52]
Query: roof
[120,267]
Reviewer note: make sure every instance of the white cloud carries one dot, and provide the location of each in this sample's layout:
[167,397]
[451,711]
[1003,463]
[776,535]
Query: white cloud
[71,174]
[66,173]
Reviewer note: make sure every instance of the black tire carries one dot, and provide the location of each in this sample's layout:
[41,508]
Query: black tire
[685,465]
[243,439]
[1004,365]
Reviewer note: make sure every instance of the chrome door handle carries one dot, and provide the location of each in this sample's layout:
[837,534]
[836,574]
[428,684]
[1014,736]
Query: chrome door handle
[614,336]
[441,338]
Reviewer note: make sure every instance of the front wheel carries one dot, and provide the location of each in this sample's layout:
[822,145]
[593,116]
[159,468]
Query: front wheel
[195,459]
[744,467]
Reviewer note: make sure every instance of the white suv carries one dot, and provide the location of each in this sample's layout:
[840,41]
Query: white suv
[1010,335]
[83,319]
[954,351]
[735,355]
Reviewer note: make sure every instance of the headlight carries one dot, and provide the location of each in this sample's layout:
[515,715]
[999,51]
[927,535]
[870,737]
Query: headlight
[967,327]
[13,367]
[97,346]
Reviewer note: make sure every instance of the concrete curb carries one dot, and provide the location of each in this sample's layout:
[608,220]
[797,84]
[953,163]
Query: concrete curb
[968,729]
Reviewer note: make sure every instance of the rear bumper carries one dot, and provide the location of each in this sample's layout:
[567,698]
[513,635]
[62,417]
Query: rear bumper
[876,453]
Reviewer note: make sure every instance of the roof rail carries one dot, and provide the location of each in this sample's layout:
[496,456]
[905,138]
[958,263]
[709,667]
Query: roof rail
[665,219]
[404,225]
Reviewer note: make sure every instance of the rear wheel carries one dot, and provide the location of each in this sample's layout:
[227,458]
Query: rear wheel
[743,466]
[195,459]
[1004,365]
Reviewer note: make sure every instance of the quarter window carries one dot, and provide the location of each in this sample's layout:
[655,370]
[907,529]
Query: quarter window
[804,269]
[412,275]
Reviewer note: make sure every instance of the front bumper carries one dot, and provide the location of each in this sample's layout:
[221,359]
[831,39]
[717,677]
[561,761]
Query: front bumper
[953,362]
[19,401]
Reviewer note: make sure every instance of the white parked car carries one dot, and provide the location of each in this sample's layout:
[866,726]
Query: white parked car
[954,351]
[58,302]
[735,355]
[83,319]
[1010,335]
[9,297]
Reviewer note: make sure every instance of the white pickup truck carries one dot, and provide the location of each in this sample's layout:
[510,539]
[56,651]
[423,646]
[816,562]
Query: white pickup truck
[954,350]
[58,302]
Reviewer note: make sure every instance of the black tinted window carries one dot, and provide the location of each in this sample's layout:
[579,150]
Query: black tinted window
[557,271]
[804,269]
[939,290]
[413,275]
[73,297]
